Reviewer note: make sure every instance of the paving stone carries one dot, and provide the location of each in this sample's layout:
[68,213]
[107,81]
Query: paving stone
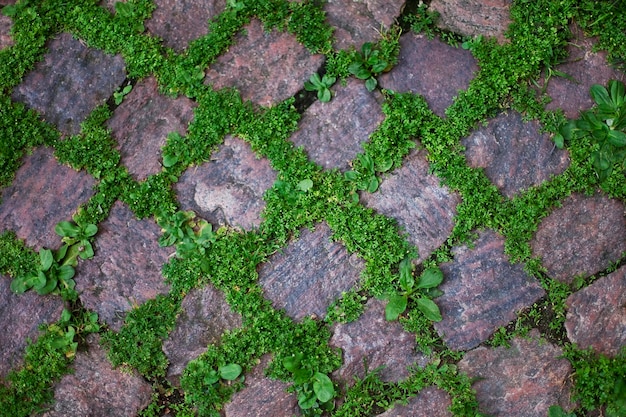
[265,67]
[472,18]
[596,315]
[42,194]
[204,317]
[179,22]
[123,272]
[523,380]
[423,207]
[70,82]
[596,236]
[431,68]
[482,291]
[378,342]
[357,22]
[429,402]
[96,389]
[20,317]
[309,274]
[6,24]
[141,125]
[332,133]
[514,153]
[229,189]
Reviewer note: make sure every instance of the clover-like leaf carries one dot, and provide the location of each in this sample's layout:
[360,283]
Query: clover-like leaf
[323,387]
[305,185]
[230,372]
[371,83]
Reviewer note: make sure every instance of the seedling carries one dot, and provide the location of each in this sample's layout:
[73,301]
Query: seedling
[364,174]
[76,238]
[184,230]
[322,86]
[118,96]
[368,64]
[315,390]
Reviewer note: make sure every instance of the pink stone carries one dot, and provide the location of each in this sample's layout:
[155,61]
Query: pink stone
[6,39]
[429,402]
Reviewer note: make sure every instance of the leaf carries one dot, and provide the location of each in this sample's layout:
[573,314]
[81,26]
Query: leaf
[305,185]
[406,275]
[600,95]
[90,230]
[618,92]
[292,363]
[127,89]
[351,175]
[306,400]
[18,285]
[211,378]
[559,142]
[324,95]
[46,258]
[429,308]
[67,229]
[371,84]
[430,278]
[328,80]
[50,286]
[87,252]
[385,165]
[395,306]
[169,160]
[323,387]
[372,185]
[617,138]
[379,67]
[66,272]
[230,372]
[39,281]
[308,86]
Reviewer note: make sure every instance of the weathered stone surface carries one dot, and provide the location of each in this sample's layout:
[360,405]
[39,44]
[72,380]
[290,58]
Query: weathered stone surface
[43,193]
[472,18]
[523,380]
[357,22]
[95,389]
[70,82]
[266,68]
[423,207]
[141,124]
[514,153]
[179,22]
[229,189]
[20,317]
[482,291]
[204,317]
[5,31]
[596,315]
[309,274]
[596,236]
[429,402]
[124,272]
[378,342]
[431,68]
[332,133]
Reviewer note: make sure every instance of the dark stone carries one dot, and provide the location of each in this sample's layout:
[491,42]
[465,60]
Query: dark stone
[431,68]
[229,189]
[514,153]
[70,82]
[265,67]
[429,402]
[596,315]
[423,207]
[332,133]
[124,272]
[523,380]
[309,274]
[42,194]
[6,24]
[596,236]
[482,291]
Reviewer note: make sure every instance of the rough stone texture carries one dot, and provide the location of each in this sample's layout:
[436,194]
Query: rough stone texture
[229,189]
[472,18]
[265,67]
[423,207]
[5,30]
[482,291]
[332,133]
[514,153]
[95,389]
[309,274]
[37,200]
[357,22]
[596,236]
[123,272]
[523,380]
[377,341]
[141,124]
[429,402]
[205,316]
[171,16]
[20,317]
[70,82]
[596,315]
[431,68]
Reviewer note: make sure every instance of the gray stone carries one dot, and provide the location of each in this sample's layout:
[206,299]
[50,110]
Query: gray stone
[429,402]
[6,24]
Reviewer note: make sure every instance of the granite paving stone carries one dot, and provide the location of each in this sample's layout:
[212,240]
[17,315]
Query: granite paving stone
[482,291]
[429,402]
[596,236]
[6,24]
[70,82]
[37,199]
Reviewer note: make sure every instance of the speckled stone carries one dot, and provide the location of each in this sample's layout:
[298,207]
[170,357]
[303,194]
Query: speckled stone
[309,274]
[596,236]
[482,291]
[514,153]
[42,194]
[596,315]
[332,133]
[521,381]
[415,198]
[431,68]
[141,125]
[70,82]
[124,272]
[429,402]
[228,190]
[6,24]
[266,68]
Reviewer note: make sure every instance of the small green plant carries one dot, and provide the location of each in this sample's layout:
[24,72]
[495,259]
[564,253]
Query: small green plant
[127,12]
[322,86]
[188,233]
[75,237]
[557,411]
[229,372]
[209,387]
[368,64]
[315,390]
[119,95]
[364,174]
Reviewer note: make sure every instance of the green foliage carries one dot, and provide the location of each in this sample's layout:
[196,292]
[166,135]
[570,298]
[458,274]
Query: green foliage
[371,62]
[322,86]
[364,171]
[557,411]
[315,391]
[119,95]
[183,230]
